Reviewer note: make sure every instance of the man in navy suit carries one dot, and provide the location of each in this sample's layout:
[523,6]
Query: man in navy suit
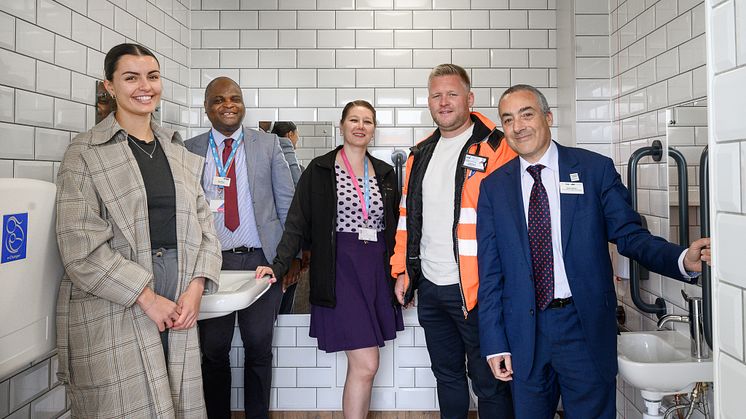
[546,295]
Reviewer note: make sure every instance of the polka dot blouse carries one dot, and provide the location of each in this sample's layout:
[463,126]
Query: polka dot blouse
[349,211]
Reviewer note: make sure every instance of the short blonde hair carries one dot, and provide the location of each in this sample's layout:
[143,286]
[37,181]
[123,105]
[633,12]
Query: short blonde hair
[450,70]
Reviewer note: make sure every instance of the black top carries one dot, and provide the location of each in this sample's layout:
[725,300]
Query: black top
[160,191]
[312,218]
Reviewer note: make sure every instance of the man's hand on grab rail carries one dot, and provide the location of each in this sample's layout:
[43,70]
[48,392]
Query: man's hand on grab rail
[698,252]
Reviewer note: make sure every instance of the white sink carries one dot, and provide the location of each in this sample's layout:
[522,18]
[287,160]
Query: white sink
[659,363]
[238,290]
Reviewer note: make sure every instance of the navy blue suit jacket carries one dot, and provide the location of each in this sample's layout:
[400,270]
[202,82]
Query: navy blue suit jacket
[602,214]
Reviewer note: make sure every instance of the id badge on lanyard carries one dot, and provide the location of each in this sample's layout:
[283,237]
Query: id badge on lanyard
[221,179]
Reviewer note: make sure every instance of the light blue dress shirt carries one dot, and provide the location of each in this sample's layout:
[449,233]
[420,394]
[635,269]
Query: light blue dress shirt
[246,234]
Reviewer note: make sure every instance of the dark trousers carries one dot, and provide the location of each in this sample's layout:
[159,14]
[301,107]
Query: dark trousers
[450,340]
[288,298]
[256,324]
[563,365]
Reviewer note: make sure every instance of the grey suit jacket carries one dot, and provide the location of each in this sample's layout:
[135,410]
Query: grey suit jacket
[270,183]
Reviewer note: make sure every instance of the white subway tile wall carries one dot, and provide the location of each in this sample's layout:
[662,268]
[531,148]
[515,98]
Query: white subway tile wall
[656,55]
[52,53]
[304,60]
[381,50]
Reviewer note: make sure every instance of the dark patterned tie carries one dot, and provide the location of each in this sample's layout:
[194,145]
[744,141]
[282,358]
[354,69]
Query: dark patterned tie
[540,239]
[231,196]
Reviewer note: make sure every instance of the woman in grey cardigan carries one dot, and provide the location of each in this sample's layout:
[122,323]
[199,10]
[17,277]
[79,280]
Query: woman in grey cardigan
[139,248]
[287,132]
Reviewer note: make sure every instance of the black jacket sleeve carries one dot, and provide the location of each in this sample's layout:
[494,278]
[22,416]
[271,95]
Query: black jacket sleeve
[297,226]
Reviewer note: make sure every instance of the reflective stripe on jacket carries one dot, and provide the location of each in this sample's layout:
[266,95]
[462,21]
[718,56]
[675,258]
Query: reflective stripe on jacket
[486,141]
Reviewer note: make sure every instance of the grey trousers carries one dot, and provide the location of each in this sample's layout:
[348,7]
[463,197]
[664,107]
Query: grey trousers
[166,282]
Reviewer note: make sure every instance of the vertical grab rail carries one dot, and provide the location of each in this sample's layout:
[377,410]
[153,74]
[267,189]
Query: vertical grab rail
[683,195]
[704,221]
[656,152]
[399,157]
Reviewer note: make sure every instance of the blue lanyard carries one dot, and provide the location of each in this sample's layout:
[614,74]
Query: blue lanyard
[223,168]
[367,188]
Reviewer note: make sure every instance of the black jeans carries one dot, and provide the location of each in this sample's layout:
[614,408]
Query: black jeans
[453,345]
[256,324]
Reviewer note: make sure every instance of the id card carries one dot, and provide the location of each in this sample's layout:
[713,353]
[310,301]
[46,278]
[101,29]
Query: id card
[572,188]
[474,162]
[367,234]
[221,181]
[217,205]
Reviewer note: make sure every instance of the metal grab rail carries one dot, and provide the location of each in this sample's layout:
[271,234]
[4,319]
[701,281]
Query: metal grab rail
[704,221]
[683,195]
[399,157]
[656,152]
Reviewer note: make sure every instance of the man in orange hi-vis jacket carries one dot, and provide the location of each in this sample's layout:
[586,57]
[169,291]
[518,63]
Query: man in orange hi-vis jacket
[436,246]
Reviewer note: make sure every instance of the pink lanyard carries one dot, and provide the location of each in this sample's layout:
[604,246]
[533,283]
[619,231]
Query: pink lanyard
[363,200]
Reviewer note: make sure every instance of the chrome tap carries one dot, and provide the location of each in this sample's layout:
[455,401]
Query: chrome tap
[671,318]
[699,349]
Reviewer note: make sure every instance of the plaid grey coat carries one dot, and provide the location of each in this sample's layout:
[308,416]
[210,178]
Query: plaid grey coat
[110,353]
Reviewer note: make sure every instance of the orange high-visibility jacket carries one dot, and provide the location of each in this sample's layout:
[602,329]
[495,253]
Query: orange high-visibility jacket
[486,141]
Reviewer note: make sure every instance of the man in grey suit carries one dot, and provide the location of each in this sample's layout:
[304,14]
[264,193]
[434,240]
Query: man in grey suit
[248,185]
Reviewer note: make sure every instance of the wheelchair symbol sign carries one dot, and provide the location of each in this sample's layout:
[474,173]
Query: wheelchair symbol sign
[15,235]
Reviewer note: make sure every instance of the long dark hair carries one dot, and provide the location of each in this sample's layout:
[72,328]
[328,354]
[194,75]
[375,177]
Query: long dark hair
[115,53]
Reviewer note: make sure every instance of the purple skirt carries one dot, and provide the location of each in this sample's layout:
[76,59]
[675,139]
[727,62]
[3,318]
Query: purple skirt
[364,316]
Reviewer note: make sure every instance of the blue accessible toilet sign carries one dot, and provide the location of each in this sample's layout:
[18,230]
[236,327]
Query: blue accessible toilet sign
[15,235]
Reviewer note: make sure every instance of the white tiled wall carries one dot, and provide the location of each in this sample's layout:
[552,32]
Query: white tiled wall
[302,60]
[52,52]
[33,392]
[727,143]
[657,62]
[315,58]
[305,378]
[687,132]
[590,85]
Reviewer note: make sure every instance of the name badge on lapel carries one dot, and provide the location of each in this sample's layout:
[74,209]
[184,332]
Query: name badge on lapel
[474,162]
[572,188]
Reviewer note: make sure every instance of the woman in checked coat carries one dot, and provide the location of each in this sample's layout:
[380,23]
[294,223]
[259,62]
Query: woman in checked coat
[139,249]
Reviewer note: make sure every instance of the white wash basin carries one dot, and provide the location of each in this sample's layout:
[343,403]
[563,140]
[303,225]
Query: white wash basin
[660,363]
[238,290]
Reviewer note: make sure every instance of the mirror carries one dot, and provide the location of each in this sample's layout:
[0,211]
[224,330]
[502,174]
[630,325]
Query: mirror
[313,138]
[686,132]
[309,139]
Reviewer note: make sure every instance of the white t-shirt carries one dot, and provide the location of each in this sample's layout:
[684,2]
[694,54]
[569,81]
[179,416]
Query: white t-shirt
[438,192]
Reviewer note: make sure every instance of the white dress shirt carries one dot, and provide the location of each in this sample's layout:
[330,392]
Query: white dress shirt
[550,179]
